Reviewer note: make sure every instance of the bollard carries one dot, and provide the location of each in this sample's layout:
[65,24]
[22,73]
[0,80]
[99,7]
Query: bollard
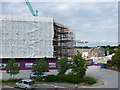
[55,87]
[76,86]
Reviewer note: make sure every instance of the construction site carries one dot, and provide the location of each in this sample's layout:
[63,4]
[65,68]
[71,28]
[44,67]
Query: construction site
[26,38]
[63,41]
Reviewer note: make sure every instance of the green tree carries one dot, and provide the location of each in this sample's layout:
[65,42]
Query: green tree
[79,65]
[12,68]
[109,49]
[40,67]
[63,65]
[116,58]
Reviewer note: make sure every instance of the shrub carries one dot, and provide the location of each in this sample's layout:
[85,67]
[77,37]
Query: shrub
[110,64]
[63,78]
[70,78]
[39,79]
[11,80]
[51,78]
[89,80]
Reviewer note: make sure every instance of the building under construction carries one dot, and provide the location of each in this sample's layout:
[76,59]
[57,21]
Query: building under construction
[63,41]
[26,38]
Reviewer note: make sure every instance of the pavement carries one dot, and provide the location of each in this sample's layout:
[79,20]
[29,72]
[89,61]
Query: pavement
[106,78]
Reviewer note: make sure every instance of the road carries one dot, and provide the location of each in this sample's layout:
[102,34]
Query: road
[45,85]
[110,77]
[22,74]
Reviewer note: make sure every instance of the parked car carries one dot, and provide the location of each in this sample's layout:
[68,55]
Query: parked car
[26,84]
[35,75]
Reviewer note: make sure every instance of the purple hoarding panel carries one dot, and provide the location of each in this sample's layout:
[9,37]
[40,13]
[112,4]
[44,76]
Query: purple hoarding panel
[26,64]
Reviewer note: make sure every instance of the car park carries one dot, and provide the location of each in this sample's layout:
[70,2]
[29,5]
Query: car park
[26,84]
[35,75]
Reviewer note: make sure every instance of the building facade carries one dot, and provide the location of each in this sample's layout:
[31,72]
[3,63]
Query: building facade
[84,52]
[27,38]
[97,52]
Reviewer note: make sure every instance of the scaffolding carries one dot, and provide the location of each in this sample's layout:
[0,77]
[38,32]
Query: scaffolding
[63,41]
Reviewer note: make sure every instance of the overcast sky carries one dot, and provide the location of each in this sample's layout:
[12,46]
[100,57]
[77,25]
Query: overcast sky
[95,22]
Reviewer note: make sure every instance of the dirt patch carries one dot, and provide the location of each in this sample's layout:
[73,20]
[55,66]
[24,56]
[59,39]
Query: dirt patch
[7,83]
[84,84]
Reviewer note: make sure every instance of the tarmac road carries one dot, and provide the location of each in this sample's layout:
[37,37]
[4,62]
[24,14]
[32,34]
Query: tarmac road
[23,74]
[109,77]
[45,85]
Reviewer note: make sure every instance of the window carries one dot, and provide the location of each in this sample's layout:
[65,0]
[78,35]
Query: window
[32,82]
[25,82]
[35,74]
[20,81]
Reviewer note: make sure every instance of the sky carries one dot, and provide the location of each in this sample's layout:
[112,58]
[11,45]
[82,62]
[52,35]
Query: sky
[95,22]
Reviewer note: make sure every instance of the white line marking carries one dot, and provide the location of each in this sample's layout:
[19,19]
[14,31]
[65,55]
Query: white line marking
[8,86]
[54,86]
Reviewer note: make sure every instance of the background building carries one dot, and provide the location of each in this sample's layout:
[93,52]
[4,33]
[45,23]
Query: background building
[97,52]
[84,52]
[26,38]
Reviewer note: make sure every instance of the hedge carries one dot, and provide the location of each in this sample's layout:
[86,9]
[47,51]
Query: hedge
[10,80]
[71,78]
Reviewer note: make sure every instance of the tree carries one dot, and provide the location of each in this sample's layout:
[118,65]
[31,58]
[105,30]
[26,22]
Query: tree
[79,65]
[63,65]
[12,68]
[109,49]
[40,67]
[116,58]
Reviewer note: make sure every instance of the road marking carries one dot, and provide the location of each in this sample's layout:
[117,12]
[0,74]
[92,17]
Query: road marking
[54,86]
[8,86]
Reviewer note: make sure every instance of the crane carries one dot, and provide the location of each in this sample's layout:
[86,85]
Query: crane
[34,13]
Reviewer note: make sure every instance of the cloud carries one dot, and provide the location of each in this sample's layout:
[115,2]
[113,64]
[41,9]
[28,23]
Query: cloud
[88,20]
[62,1]
[62,7]
[95,43]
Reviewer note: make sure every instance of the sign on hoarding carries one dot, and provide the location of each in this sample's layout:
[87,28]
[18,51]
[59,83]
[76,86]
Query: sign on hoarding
[2,65]
[52,64]
[28,65]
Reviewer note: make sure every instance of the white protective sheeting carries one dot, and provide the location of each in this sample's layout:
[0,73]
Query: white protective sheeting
[26,36]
